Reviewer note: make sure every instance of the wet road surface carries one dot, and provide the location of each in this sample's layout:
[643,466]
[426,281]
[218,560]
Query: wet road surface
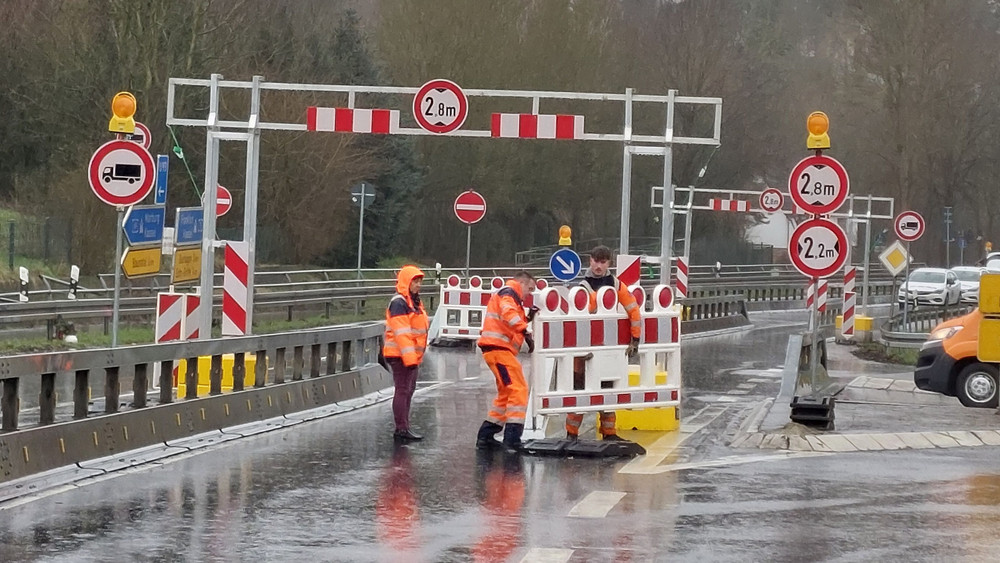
[339,489]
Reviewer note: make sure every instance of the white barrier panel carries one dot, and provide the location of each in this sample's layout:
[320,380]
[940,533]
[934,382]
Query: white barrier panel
[565,329]
[461,309]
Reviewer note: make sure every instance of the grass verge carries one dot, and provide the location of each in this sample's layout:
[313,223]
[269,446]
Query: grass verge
[884,354]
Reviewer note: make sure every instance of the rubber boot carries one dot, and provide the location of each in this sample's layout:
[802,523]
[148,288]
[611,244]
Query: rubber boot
[485,438]
[512,436]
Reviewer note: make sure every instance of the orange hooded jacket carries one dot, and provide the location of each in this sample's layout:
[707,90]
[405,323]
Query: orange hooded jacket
[505,321]
[406,322]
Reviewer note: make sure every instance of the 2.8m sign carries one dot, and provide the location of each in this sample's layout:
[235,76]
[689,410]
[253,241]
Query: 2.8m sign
[818,185]
[440,106]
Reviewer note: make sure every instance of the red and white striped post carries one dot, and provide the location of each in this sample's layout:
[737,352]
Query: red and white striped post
[682,276]
[235,314]
[823,293]
[169,317]
[191,302]
[850,301]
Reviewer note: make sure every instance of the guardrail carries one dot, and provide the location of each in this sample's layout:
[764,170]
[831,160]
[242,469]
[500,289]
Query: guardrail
[919,323]
[341,363]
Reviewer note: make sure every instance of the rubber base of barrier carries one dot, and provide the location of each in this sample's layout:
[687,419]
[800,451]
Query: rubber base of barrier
[561,447]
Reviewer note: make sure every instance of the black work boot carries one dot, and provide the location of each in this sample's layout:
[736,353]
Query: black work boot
[485,438]
[512,436]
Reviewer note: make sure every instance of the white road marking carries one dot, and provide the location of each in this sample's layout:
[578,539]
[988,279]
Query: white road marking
[739,392]
[547,555]
[469,378]
[596,505]
[669,442]
[745,386]
[736,460]
[757,380]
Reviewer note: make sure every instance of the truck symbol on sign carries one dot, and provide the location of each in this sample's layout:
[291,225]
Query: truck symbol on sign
[130,172]
[910,225]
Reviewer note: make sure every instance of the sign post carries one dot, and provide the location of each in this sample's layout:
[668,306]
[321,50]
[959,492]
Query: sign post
[362,195]
[470,208]
[909,226]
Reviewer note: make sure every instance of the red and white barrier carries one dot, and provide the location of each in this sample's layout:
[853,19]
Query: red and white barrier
[191,302]
[810,294]
[462,307]
[352,120]
[850,275]
[850,302]
[536,126]
[682,276]
[169,317]
[563,334]
[234,290]
[740,205]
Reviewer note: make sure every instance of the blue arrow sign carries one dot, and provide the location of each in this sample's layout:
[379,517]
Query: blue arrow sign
[189,225]
[144,224]
[162,164]
[564,264]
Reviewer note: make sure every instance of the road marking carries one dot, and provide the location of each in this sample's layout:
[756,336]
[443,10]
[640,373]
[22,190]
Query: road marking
[547,555]
[596,505]
[737,460]
[745,386]
[470,378]
[757,380]
[666,445]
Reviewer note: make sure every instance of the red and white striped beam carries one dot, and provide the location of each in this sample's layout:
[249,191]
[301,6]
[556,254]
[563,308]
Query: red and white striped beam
[352,120]
[616,398]
[536,126]
[234,288]
[740,205]
[587,333]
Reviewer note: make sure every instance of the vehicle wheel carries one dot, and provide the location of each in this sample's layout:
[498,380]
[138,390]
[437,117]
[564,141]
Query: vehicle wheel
[976,386]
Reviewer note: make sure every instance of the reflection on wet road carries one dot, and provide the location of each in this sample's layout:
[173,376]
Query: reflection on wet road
[339,489]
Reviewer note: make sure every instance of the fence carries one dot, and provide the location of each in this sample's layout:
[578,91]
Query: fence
[44,239]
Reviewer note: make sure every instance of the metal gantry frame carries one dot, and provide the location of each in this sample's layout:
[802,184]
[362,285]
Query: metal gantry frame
[248,131]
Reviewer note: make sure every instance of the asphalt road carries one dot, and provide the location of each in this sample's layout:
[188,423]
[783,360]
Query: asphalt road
[339,489]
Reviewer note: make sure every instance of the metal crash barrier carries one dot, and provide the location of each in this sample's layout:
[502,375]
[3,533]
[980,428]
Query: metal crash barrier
[565,329]
[310,369]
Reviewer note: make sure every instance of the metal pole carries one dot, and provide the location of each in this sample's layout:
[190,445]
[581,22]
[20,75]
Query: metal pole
[906,287]
[10,246]
[814,321]
[687,226]
[468,249]
[250,197]
[118,275]
[868,253]
[208,207]
[627,175]
[361,227]
[667,217]
[947,238]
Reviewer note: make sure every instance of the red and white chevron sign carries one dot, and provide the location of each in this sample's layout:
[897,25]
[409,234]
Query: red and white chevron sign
[191,302]
[169,315]
[682,276]
[629,268]
[536,126]
[740,205]
[352,120]
[234,287]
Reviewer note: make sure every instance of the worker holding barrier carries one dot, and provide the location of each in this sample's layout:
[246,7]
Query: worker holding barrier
[599,275]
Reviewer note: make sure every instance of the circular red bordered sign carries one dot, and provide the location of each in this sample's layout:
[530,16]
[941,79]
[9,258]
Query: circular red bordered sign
[121,173]
[771,200]
[223,201]
[819,184]
[909,226]
[818,248]
[141,135]
[440,106]
[470,207]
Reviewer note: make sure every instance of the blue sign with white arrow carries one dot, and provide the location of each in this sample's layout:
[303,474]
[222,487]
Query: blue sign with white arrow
[565,264]
[162,164]
[144,224]
[189,226]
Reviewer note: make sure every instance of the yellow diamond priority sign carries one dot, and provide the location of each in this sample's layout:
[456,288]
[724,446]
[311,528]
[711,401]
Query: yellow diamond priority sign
[894,258]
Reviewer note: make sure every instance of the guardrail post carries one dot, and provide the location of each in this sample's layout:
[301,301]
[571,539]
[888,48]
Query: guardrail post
[166,382]
[47,399]
[9,403]
[239,370]
[279,365]
[81,393]
[345,357]
[215,376]
[140,382]
[297,363]
[191,379]
[314,360]
[112,389]
[331,358]
[260,369]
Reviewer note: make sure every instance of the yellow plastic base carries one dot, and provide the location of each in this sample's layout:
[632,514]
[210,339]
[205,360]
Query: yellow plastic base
[860,322]
[656,418]
[204,369]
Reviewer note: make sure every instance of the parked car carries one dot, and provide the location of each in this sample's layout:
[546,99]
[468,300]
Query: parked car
[930,286]
[968,280]
[948,363]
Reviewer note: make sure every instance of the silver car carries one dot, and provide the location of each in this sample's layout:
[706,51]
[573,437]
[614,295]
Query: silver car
[968,280]
[930,286]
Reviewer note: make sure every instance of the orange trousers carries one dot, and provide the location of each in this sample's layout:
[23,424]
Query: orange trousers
[575,419]
[511,403]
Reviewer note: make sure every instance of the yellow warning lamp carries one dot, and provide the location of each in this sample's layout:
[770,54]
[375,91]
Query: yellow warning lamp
[818,124]
[989,246]
[564,235]
[122,109]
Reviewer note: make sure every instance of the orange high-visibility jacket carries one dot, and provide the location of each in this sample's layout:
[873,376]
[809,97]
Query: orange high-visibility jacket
[505,321]
[624,297]
[406,322]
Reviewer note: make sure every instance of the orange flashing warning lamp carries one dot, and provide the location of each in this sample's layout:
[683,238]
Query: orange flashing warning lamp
[564,235]
[122,109]
[818,124]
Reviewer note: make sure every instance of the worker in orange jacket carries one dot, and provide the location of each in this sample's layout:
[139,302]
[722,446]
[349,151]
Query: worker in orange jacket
[599,275]
[406,326]
[504,330]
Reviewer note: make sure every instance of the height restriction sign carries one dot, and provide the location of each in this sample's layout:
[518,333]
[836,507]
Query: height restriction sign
[440,106]
[818,184]
[818,248]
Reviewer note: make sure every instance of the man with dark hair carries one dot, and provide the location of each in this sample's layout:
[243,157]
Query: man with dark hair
[504,329]
[599,275]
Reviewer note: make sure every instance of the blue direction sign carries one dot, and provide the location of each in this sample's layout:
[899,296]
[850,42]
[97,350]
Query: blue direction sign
[162,165]
[189,226]
[564,264]
[144,224]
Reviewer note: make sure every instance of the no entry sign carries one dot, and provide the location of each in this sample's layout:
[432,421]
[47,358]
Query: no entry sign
[818,248]
[121,173]
[818,184]
[440,106]
[470,207]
